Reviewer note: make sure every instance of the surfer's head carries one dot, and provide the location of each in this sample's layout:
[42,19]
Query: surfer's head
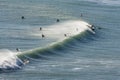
[40,28]
[22,17]
[17,49]
[57,20]
[43,35]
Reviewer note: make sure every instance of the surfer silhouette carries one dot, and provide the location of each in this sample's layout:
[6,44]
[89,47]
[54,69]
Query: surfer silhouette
[22,17]
[92,27]
[17,49]
[43,35]
[65,35]
[57,20]
[40,28]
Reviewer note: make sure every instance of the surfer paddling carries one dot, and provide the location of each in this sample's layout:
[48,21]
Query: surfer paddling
[40,28]
[65,35]
[43,35]
[22,17]
[57,20]
[17,49]
[92,27]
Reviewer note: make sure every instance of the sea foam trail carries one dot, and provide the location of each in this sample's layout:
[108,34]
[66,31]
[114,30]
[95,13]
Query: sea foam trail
[63,30]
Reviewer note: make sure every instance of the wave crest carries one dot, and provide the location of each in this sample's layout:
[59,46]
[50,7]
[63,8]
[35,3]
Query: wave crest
[9,60]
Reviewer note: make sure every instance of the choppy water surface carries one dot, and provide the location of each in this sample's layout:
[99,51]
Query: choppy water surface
[81,55]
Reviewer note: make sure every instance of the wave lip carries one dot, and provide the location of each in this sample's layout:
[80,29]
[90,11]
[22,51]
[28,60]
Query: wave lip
[63,30]
[72,29]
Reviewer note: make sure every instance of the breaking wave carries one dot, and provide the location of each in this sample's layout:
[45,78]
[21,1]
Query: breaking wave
[74,30]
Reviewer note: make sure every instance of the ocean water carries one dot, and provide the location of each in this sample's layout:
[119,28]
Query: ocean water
[70,50]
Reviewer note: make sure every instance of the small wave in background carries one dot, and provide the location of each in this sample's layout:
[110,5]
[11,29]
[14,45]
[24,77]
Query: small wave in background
[107,2]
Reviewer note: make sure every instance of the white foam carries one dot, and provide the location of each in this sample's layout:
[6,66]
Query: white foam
[76,69]
[9,60]
[107,2]
[59,30]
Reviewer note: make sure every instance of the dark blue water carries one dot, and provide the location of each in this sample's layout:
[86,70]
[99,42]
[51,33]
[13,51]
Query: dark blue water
[86,56]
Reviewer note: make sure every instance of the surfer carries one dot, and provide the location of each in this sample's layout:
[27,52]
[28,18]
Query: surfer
[91,27]
[40,28]
[17,49]
[65,35]
[43,35]
[22,17]
[57,20]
